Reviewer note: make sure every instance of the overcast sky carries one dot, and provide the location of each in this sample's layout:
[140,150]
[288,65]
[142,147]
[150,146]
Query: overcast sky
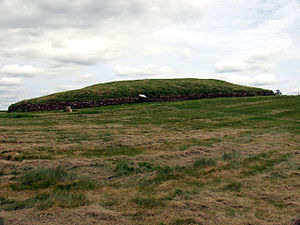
[48,46]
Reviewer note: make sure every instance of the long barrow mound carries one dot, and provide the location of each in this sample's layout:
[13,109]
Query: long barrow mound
[124,92]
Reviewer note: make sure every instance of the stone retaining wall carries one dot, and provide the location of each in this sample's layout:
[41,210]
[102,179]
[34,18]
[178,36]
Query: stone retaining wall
[31,107]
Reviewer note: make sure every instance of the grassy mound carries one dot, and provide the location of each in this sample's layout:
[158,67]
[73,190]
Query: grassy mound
[152,88]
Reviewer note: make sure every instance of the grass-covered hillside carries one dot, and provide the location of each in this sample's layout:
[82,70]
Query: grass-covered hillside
[152,88]
[208,161]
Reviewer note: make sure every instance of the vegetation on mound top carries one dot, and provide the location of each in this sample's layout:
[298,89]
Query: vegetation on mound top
[150,87]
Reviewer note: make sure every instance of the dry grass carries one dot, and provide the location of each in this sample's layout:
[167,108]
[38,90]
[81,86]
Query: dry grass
[190,162]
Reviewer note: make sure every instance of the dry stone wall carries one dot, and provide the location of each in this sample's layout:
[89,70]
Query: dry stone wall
[31,107]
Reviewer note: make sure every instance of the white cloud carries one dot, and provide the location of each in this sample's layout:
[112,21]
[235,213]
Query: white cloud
[85,78]
[231,65]
[85,13]
[5,99]
[259,80]
[89,32]
[141,71]
[260,59]
[264,59]
[187,53]
[59,88]
[17,70]
[10,81]
[9,90]
[294,91]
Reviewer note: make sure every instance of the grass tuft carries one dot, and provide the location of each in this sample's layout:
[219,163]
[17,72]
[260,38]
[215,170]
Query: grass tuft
[148,202]
[43,178]
[203,162]
[233,186]
[44,201]
[187,221]
[68,200]
[82,184]
[122,168]
[265,164]
[146,167]
[229,156]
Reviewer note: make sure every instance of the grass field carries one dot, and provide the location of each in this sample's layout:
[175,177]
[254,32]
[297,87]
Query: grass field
[209,161]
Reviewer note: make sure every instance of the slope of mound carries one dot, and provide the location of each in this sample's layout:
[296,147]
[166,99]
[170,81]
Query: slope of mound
[121,92]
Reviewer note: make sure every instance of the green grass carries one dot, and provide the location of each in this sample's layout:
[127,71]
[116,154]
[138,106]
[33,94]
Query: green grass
[82,184]
[149,202]
[230,212]
[228,157]
[188,221]
[233,186]
[122,168]
[113,150]
[203,162]
[67,199]
[265,165]
[63,189]
[166,173]
[59,178]
[26,156]
[44,201]
[43,178]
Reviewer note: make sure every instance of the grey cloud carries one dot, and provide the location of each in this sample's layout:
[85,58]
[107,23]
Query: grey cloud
[258,80]
[85,79]
[10,81]
[80,13]
[5,89]
[231,65]
[59,88]
[294,91]
[18,13]
[264,59]
[258,60]
[8,96]
[9,89]
[22,71]
[140,71]
[87,32]
[67,46]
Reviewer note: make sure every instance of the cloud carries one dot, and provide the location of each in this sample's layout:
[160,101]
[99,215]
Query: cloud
[142,71]
[231,65]
[59,88]
[294,91]
[262,60]
[88,32]
[10,81]
[85,13]
[187,53]
[6,99]
[259,80]
[17,70]
[9,90]
[85,78]
[9,95]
